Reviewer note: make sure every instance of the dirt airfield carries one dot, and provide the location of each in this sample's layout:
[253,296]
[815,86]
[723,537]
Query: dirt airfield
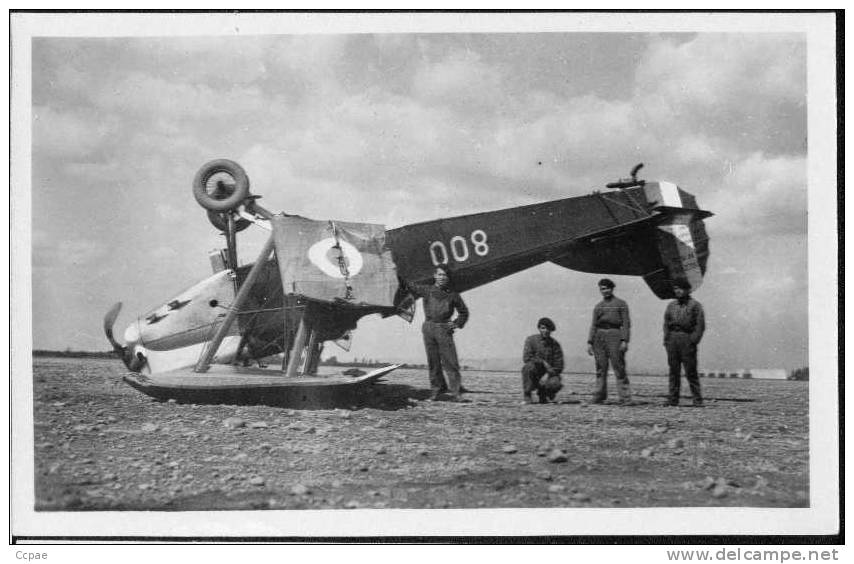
[101,445]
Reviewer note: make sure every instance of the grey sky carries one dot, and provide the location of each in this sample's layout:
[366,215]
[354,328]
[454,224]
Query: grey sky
[400,128]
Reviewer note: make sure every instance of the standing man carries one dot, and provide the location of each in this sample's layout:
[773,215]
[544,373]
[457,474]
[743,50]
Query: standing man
[542,356]
[684,325]
[608,341]
[440,302]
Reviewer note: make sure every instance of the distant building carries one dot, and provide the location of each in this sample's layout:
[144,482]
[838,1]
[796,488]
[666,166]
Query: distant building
[720,373]
[770,373]
[757,373]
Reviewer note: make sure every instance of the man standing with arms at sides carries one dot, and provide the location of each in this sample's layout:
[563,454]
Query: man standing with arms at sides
[542,356]
[440,302]
[608,341]
[684,325]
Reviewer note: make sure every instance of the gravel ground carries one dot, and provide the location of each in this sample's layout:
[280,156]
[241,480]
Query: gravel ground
[100,445]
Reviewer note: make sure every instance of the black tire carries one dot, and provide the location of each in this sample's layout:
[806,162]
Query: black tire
[219,221]
[224,197]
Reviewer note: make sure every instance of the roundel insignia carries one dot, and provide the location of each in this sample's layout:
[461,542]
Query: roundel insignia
[318,254]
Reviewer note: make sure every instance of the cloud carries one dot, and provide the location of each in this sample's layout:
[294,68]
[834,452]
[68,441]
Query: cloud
[168,212]
[460,80]
[310,53]
[66,134]
[696,148]
[750,88]
[308,68]
[92,171]
[62,253]
[771,282]
[144,95]
[163,252]
[459,127]
[762,196]
[541,145]
[208,60]
[720,69]
[569,137]
[373,143]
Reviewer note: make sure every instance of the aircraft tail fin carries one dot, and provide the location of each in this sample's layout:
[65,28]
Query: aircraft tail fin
[683,252]
[670,243]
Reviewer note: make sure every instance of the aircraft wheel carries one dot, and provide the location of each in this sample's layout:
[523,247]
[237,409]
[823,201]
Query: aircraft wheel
[219,221]
[221,185]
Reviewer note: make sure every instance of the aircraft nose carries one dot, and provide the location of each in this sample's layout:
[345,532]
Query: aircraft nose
[134,358]
[132,335]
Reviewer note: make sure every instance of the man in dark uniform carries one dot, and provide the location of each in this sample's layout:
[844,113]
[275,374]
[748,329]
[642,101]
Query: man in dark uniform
[684,324]
[608,341]
[542,356]
[440,302]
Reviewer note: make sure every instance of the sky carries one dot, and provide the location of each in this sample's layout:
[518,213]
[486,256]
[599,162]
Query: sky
[397,128]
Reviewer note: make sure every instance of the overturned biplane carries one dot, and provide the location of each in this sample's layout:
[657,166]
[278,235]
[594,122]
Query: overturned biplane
[314,280]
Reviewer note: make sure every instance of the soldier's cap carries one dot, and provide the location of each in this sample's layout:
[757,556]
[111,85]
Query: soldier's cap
[682,283]
[607,282]
[547,323]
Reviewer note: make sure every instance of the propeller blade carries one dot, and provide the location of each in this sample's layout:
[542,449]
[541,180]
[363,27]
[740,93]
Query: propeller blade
[109,321]
[133,362]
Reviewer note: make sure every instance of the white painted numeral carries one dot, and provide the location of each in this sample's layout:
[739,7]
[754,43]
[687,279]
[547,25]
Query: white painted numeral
[435,247]
[478,239]
[459,248]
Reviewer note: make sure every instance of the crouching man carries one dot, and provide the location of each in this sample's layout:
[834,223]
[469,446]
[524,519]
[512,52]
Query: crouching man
[543,360]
